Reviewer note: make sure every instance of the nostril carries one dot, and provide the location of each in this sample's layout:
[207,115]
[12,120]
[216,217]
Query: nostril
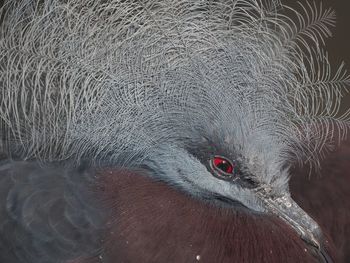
[251,182]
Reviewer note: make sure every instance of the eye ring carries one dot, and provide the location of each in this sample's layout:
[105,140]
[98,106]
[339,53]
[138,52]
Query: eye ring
[222,167]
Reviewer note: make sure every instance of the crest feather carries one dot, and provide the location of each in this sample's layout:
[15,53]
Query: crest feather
[111,80]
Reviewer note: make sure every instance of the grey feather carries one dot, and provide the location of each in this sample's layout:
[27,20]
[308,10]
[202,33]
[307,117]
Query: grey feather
[101,80]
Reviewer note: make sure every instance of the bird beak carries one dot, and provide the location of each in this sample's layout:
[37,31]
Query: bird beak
[288,210]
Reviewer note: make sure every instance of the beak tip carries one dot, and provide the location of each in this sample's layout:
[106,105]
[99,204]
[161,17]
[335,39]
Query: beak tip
[313,236]
[308,229]
[318,244]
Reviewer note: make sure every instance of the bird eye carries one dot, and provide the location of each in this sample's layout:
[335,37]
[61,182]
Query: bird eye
[224,167]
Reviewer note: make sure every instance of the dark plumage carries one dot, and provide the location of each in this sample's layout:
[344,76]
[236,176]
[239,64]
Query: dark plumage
[119,216]
[155,223]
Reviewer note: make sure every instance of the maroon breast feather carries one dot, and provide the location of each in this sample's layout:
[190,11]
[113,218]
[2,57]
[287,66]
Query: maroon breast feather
[153,222]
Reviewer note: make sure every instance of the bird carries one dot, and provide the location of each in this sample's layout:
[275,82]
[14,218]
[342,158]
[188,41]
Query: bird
[166,131]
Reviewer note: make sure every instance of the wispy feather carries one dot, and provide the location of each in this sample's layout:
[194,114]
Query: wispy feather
[311,23]
[111,80]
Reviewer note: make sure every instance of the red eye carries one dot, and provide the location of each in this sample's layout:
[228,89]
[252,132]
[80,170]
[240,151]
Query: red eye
[223,165]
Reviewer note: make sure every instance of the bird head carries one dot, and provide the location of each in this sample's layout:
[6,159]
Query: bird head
[218,99]
[231,180]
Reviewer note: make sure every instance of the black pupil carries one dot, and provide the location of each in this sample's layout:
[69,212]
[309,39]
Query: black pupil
[224,166]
